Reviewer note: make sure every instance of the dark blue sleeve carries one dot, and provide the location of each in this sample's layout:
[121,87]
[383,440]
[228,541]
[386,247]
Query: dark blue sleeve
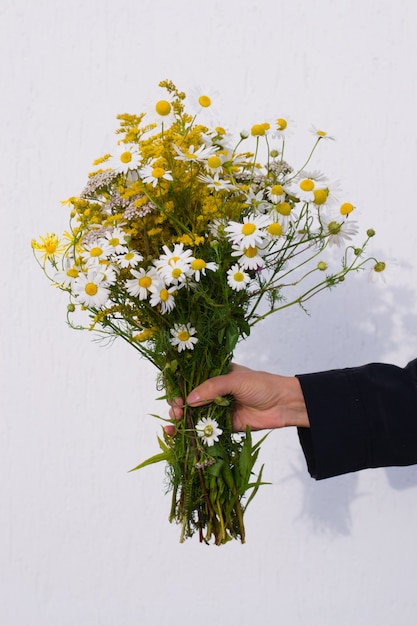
[360,417]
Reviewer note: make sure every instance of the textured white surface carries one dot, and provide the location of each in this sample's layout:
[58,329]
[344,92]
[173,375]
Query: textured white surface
[81,540]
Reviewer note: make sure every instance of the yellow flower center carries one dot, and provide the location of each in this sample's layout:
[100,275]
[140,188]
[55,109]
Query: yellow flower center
[380,266]
[277,190]
[95,252]
[248,229]
[164,294]
[114,241]
[251,252]
[307,184]
[183,335]
[145,281]
[346,208]
[320,196]
[176,273]
[214,162]
[238,277]
[220,130]
[129,256]
[334,228]
[321,133]
[284,208]
[198,264]
[158,172]
[91,289]
[208,430]
[204,101]
[163,107]
[126,157]
[257,130]
[281,123]
[275,229]
[72,273]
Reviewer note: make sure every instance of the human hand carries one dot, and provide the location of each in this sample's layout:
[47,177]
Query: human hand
[261,400]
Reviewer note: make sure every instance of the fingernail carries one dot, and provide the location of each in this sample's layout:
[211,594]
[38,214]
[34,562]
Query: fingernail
[193,398]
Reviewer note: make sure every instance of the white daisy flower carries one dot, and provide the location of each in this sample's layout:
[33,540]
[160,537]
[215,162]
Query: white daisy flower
[276,193]
[90,289]
[125,158]
[183,337]
[176,273]
[306,184]
[237,279]
[115,239]
[214,182]
[153,174]
[275,230]
[338,232]
[164,297]
[250,258]
[256,200]
[96,252]
[201,153]
[377,273]
[320,134]
[209,431]
[144,283]
[282,127]
[199,267]
[174,265]
[129,259]
[109,274]
[250,232]
[66,278]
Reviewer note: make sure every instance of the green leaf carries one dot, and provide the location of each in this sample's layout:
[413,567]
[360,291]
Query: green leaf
[157,458]
[232,336]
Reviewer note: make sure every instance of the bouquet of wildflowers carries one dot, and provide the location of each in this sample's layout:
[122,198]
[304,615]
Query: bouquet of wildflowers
[183,239]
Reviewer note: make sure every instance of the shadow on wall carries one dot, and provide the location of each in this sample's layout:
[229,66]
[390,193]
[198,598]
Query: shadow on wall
[363,324]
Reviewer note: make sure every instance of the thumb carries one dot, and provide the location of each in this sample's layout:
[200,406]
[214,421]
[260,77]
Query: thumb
[217,386]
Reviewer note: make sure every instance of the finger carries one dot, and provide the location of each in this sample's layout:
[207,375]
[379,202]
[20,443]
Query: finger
[227,384]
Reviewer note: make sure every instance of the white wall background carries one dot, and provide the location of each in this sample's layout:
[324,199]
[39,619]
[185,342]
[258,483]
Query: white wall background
[81,540]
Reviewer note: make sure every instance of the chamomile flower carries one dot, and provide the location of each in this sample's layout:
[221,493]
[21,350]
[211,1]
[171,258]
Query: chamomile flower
[116,240]
[129,259]
[170,257]
[275,230]
[199,267]
[383,272]
[183,337]
[255,199]
[193,153]
[90,288]
[237,278]
[96,252]
[143,283]
[338,231]
[209,431]
[320,134]
[282,127]
[214,182]
[250,232]
[154,174]
[250,258]
[164,297]
[124,158]
[276,193]
[306,184]
[65,278]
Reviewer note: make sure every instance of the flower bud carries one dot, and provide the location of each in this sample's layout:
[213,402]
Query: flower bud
[370,232]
